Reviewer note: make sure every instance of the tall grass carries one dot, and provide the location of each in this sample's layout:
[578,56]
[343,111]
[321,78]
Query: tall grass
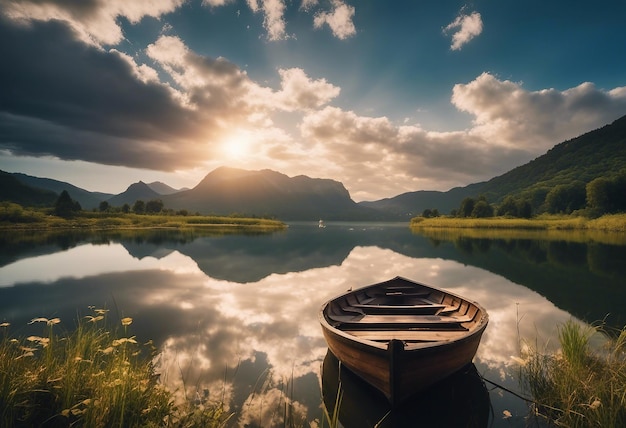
[580,385]
[13,216]
[92,377]
[544,222]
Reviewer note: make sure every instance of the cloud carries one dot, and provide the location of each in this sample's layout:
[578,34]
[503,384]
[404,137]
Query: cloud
[339,20]
[299,92]
[373,155]
[78,101]
[506,114]
[467,27]
[95,21]
[273,17]
[376,156]
[307,5]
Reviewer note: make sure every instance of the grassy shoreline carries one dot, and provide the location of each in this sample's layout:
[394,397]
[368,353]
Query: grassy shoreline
[14,217]
[607,223]
[579,385]
[92,377]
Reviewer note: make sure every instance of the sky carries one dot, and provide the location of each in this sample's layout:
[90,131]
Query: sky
[386,97]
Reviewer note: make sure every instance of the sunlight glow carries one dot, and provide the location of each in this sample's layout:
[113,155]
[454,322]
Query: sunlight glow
[237,146]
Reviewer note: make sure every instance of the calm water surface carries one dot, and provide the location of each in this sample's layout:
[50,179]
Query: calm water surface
[235,315]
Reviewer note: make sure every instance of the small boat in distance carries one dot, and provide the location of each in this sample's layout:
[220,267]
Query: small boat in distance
[321,224]
[402,336]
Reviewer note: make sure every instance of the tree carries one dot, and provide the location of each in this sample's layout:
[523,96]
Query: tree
[467,206]
[598,195]
[65,206]
[605,195]
[125,208]
[566,198]
[154,206]
[139,207]
[482,209]
[508,207]
[104,206]
[524,209]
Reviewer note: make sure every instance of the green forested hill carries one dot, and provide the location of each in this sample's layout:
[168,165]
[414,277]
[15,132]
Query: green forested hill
[599,153]
[571,164]
[11,189]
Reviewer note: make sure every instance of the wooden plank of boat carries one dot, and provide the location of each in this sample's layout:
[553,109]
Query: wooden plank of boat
[407,335]
[413,320]
[402,336]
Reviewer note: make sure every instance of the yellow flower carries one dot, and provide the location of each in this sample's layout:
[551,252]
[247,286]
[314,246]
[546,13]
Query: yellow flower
[127,321]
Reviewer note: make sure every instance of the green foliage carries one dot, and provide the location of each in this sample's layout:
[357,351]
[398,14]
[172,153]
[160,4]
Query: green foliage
[467,206]
[565,199]
[428,213]
[581,160]
[15,213]
[607,195]
[93,377]
[139,207]
[104,206]
[65,206]
[580,386]
[154,206]
[482,209]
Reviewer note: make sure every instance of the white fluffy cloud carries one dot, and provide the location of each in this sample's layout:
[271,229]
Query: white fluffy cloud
[273,17]
[465,28]
[374,156]
[507,114]
[339,20]
[299,92]
[94,20]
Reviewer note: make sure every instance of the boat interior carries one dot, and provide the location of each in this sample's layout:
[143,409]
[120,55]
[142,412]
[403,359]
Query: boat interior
[408,312]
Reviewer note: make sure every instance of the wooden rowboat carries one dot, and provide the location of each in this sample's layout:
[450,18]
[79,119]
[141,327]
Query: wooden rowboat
[401,336]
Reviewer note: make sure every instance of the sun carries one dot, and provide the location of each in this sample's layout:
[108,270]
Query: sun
[237,146]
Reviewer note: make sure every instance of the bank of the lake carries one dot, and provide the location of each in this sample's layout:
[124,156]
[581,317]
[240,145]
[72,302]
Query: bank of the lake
[13,217]
[606,223]
[94,376]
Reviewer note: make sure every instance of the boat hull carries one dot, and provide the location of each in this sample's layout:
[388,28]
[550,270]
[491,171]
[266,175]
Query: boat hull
[391,357]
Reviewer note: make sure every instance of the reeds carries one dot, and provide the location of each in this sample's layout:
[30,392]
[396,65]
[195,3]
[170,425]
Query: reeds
[544,222]
[580,385]
[92,377]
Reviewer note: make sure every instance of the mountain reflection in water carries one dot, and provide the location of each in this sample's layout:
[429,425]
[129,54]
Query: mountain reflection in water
[235,315]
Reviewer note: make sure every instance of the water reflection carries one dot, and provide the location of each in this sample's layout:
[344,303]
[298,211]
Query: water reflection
[236,316]
[462,400]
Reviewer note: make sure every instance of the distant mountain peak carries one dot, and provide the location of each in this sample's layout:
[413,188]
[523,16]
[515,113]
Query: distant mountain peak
[162,188]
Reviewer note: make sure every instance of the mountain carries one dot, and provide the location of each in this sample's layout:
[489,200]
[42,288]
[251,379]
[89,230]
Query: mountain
[162,188]
[227,191]
[87,200]
[14,190]
[410,204]
[598,153]
[136,191]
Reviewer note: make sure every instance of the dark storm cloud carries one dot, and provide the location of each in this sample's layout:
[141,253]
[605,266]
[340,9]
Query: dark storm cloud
[64,98]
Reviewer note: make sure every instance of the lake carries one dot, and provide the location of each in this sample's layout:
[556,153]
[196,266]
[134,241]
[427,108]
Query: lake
[235,315]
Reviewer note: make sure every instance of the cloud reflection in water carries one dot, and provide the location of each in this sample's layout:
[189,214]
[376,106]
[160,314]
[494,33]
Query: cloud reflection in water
[249,343]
